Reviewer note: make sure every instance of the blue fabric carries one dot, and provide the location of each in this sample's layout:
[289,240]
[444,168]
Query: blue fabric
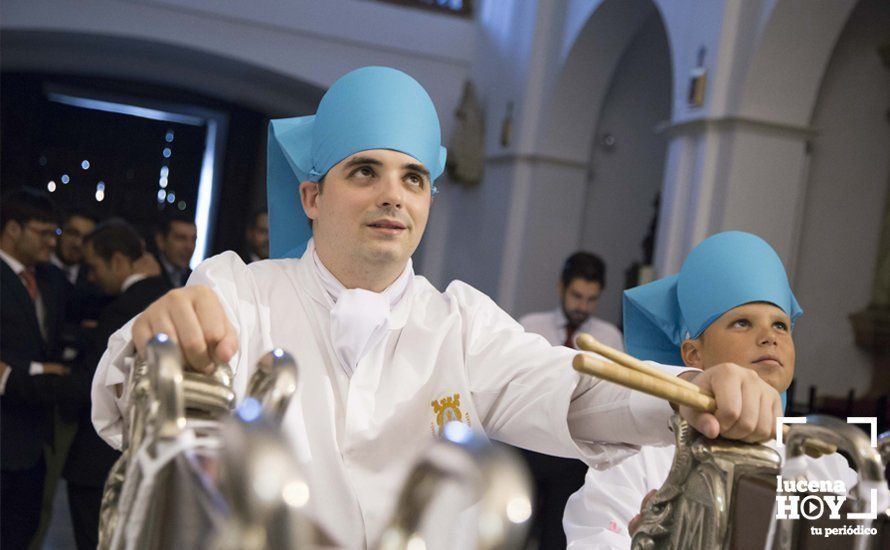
[724,271]
[368,108]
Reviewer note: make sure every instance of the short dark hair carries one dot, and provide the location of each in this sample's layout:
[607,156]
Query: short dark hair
[584,265]
[79,212]
[115,235]
[166,222]
[25,204]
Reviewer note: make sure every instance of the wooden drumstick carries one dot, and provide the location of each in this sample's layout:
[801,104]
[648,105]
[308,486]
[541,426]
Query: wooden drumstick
[697,399]
[589,343]
[645,383]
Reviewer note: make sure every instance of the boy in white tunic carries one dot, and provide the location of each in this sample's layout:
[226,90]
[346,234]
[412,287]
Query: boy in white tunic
[731,302]
[385,358]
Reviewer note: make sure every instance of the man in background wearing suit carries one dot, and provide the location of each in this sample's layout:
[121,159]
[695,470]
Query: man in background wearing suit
[175,241]
[69,246]
[111,252]
[581,281]
[33,296]
[86,300]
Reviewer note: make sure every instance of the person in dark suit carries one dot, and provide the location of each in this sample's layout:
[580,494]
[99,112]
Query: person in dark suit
[175,240]
[68,255]
[256,238]
[33,301]
[86,300]
[112,252]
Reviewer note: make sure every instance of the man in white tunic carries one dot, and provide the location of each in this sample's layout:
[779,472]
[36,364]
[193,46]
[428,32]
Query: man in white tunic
[385,358]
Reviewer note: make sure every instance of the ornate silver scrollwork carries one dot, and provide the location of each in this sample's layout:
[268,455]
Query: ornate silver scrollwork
[493,477]
[165,401]
[692,509]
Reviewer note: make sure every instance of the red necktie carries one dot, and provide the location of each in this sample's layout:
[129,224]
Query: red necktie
[30,282]
[570,337]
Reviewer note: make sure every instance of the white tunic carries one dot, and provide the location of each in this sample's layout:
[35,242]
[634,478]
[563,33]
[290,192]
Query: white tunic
[597,515]
[552,326]
[445,355]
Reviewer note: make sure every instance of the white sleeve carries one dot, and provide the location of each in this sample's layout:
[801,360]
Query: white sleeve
[224,273]
[529,396]
[597,515]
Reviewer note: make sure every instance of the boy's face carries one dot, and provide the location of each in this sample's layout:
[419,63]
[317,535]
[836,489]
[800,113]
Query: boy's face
[372,209]
[755,336]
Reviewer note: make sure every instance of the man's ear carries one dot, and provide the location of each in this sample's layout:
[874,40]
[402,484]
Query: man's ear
[159,241]
[690,350]
[309,191]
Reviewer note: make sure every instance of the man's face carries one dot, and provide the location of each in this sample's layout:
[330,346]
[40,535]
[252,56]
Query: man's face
[34,241]
[70,243]
[755,336]
[579,299]
[178,245]
[371,210]
[258,236]
[101,272]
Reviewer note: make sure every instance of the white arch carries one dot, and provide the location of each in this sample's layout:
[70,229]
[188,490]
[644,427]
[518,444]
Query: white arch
[547,194]
[782,82]
[570,114]
[140,60]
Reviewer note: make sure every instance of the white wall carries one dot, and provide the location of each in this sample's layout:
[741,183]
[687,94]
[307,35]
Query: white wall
[626,178]
[738,162]
[558,103]
[313,41]
[844,205]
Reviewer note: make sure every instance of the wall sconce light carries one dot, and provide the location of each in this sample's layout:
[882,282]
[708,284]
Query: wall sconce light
[698,81]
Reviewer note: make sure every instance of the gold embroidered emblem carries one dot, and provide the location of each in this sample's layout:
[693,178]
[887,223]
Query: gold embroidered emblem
[447,409]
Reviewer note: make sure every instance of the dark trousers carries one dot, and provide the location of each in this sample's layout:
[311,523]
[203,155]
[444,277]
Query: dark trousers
[555,481]
[21,496]
[84,502]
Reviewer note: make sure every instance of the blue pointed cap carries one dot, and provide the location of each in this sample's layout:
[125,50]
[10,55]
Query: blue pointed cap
[368,108]
[724,271]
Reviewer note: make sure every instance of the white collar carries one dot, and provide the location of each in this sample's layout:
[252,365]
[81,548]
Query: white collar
[360,319]
[16,265]
[334,288]
[132,280]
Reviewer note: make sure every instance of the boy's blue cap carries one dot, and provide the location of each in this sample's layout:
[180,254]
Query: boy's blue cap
[724,271]
[368,108]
